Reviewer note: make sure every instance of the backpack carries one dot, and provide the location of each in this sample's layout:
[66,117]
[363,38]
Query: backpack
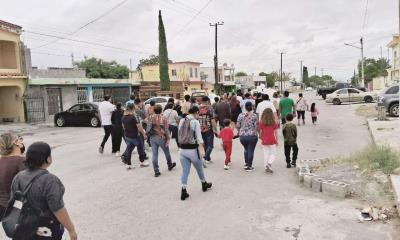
[204,119]
[21,220]
[186,133]
[160,123]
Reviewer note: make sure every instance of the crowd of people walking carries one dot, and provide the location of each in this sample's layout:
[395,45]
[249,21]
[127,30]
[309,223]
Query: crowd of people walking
[194,125]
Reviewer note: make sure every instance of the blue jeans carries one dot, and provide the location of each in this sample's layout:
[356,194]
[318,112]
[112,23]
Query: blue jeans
[157,142]
[249,143]
[131,143]
[208,138]
[189,157]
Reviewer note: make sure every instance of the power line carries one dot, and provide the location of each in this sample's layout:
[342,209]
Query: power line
[192,19]
[86,24]
[365,17]
[87,42]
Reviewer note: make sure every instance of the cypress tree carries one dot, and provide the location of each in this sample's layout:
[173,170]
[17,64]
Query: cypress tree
[163,55]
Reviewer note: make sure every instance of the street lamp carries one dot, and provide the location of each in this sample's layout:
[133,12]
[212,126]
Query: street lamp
[362,58]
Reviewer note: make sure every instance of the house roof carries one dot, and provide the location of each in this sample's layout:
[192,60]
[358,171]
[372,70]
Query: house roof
[81,81]
[189,62]
[10,27]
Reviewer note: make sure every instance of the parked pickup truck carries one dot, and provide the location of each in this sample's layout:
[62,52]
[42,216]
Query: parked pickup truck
[325,91]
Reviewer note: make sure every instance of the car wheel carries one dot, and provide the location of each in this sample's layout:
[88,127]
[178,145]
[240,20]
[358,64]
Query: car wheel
[60,122]
[336,101]
[324,96]
[394,110]
[94,122]
[368,99]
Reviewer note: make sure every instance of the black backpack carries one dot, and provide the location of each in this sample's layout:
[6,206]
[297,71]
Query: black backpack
[21,220]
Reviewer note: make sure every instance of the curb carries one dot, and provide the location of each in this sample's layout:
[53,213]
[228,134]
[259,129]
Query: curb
[370,132]
[395,179]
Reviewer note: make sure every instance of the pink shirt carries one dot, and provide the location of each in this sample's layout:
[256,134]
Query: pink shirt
[315,113]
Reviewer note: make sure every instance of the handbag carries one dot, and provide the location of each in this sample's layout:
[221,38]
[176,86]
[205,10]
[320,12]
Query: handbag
[21,219]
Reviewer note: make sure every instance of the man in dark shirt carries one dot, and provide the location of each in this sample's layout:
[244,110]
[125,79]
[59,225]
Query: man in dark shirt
[223,111]
[290,136]
[131,129]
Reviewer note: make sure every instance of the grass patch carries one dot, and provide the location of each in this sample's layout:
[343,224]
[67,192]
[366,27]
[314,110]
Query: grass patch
[373,158]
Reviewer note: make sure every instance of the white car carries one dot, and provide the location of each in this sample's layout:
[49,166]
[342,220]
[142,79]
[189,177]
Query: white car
[309,89]
[350,95]
[158,100]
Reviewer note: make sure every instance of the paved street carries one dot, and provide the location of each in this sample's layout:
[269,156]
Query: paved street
[108,202]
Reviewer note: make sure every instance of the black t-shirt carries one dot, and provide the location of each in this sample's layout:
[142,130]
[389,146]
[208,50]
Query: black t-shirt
[130,126]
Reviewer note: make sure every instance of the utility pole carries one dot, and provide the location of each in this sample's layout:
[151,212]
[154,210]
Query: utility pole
[362,58]
[72,59]
[301,71]
[362,62]
[216,83]
[281,73]
[130,64]
[315,70]
[381,52]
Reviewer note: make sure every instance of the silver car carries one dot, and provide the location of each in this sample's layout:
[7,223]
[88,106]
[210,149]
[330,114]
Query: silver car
[389,98]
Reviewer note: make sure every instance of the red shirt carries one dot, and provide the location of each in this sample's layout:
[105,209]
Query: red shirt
[226,134]
[268,134]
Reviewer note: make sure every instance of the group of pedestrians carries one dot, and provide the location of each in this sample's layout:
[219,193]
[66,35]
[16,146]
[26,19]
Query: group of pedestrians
[31,198]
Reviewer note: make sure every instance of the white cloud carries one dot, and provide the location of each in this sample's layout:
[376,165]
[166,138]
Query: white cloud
[254,32]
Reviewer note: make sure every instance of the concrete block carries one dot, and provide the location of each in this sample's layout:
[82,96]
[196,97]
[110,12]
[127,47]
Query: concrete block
[303,170]
[335,188]
[307,179]
[395,179]
[310,162]
[317,184]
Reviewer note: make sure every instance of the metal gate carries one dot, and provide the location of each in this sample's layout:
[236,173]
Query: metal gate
[54,101]
[35,110]
[120,95]
[98,94]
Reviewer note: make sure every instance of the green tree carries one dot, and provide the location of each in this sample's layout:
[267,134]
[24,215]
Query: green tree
[240,74]
[163,55]
[373,68]
[98,68]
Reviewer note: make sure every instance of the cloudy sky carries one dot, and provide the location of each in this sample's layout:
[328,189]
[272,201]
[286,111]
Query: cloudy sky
[253,34]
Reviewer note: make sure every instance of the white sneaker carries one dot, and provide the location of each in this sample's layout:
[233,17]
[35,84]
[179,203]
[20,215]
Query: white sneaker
[145,163]
[117,154]
[129,167]
[229,163]
[208,162]
[226,167]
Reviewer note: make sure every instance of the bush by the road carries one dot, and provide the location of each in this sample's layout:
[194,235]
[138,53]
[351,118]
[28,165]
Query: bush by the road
[375,158]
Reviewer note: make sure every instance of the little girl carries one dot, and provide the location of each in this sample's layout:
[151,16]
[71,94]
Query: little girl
[226,135]
[269,138]
[314,113]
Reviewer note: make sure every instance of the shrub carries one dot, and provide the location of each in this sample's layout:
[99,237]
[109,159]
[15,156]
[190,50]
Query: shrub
[374,158]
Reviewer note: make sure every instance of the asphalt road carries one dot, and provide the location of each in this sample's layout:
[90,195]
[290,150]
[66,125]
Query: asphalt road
[108,202]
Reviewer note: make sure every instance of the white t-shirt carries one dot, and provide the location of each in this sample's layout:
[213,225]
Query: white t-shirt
[262,106]
[239,98]
[172,116]
[105,109]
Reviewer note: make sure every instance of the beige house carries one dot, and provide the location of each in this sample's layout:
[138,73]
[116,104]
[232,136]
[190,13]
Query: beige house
[393,75]
[13,77]
[184,76]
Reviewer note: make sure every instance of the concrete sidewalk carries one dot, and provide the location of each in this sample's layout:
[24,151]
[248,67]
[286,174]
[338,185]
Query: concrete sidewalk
[385,132]
[24,128]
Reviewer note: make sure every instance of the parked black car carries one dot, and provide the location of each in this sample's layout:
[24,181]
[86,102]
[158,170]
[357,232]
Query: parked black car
[328,90]
[83,114]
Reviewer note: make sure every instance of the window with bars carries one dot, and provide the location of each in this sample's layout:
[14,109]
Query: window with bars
[98,94]
[82,93]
